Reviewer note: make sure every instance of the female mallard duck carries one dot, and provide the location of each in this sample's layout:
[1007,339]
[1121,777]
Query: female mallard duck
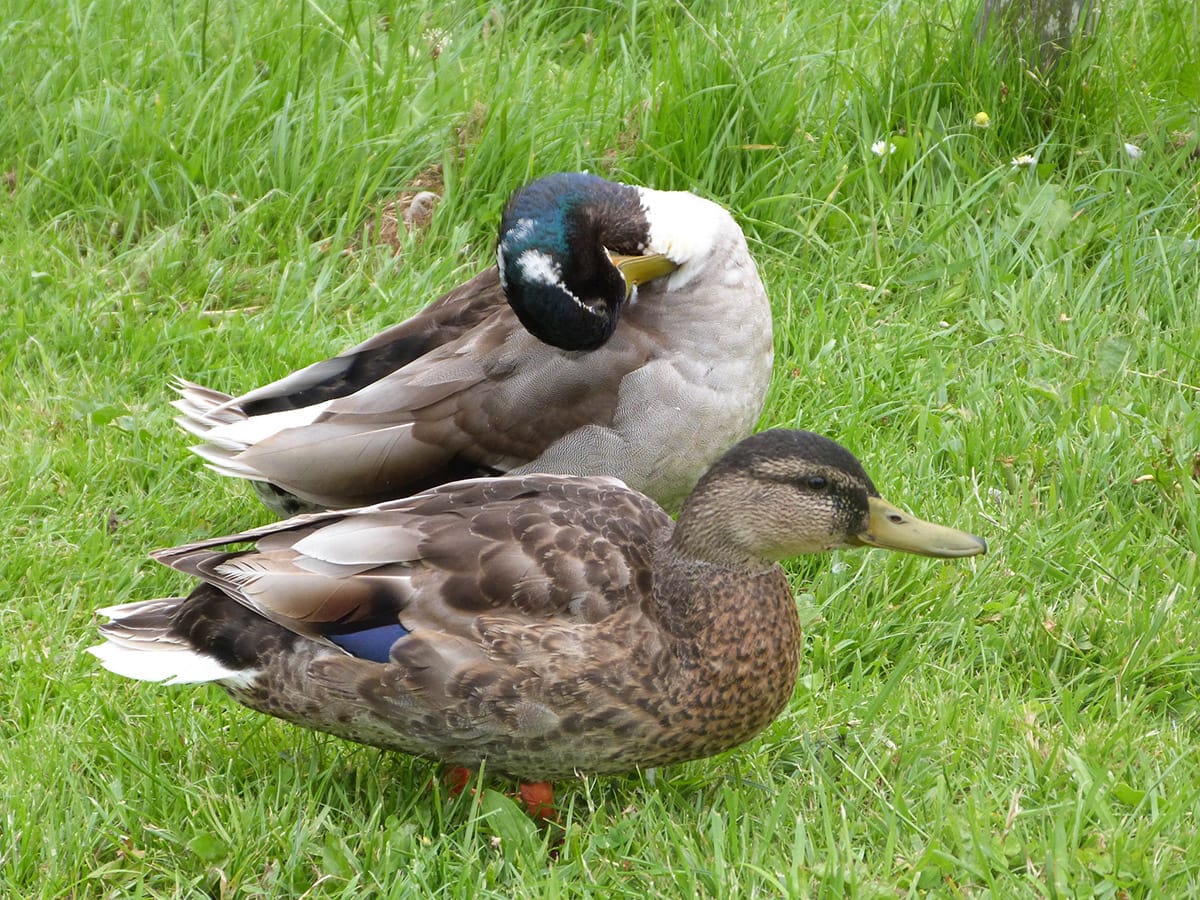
[624,332]
[546,623]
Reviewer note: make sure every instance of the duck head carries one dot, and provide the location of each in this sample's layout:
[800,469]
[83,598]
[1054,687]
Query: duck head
[571,250]
[784,493]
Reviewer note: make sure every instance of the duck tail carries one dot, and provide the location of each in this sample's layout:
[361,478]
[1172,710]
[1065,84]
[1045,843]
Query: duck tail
[215,419]
[208,415]
[201,409]
[226,430]
[141,643]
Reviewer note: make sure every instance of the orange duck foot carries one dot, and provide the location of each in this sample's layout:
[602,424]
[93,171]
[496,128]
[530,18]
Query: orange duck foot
[456,778]
[538,798]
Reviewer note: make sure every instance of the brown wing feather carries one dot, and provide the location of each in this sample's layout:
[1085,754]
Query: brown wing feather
[487,402]
[443,321]
[535,549]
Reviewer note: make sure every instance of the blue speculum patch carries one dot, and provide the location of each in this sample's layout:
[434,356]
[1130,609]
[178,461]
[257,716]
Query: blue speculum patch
[374,644]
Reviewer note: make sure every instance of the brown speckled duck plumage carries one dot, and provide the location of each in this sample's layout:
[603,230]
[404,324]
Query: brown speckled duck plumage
[548,624]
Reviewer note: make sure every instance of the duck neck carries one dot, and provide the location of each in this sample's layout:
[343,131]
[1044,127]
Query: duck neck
[709,532]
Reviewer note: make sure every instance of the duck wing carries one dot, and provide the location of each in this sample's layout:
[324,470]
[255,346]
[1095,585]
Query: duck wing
[529,550]
[488,401]
[443,321]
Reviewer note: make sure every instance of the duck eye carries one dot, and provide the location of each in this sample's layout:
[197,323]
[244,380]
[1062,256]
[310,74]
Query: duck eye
[817,482]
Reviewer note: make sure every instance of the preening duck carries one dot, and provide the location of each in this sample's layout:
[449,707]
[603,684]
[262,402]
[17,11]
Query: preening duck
[549,624]
[624,331]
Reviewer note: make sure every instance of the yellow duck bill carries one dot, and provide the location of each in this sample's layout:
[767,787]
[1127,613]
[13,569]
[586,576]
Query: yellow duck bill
[640,269]
[894,529]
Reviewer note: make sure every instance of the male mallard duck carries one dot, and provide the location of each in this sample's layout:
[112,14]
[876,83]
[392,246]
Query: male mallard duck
[549,624]
[624,332]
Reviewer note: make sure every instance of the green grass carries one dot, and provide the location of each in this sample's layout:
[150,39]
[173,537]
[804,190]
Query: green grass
[1012,351]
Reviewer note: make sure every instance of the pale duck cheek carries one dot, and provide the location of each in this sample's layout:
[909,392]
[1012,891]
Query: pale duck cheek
[520,230]
[517,233]
[540,267]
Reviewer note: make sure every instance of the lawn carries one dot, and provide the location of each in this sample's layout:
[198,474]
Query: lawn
[1000,321]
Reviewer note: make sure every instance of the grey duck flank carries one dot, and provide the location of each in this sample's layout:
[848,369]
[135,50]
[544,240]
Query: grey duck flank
[548,624]
[624,332]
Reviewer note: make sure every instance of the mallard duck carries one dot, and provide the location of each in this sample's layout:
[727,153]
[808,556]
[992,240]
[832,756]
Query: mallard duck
[549,624]
[624,331]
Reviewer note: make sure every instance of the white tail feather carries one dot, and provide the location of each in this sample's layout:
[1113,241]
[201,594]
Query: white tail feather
[140,645]
[167,664]
[223,462]
[230,429]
